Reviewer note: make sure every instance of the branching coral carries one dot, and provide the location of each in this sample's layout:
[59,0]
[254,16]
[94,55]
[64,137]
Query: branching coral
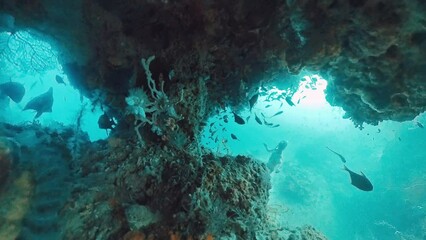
[145,110]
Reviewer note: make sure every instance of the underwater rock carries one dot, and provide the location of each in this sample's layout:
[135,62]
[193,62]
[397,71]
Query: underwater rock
[372,51]
[195,195]
[140,217]
[14,205]
[9,156]
[306,233]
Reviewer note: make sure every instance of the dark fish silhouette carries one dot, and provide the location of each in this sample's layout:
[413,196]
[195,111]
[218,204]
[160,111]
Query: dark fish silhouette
[225,119]
[288,100]
[340,156]
[42,103]
[233,136]
[257,119]
[419,124]
[269,105]
[278,113]
[238,119]
[60,80]
[105,122]
[13,90]
[359,181]
[253,100]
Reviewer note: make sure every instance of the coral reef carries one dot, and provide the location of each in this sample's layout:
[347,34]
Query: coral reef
[371,51]
[209,56]
[181,193]
[9,155]
[306,233]
[14,204]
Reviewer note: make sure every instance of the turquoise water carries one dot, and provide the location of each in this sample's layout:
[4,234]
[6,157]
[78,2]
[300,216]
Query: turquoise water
[309,186]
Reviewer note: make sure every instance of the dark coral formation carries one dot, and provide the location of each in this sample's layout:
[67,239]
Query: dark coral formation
[372,50]
[192,196]
[306,233]
[9,156]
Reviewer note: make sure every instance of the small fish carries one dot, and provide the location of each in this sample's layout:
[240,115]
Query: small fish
[60,80]
[105,122]
[233,136]
[339,155]
[267,123]
[269,105]
[225,119]
[274,126]
[42,103]
[419,124]
[257,119]
[263,88]
[238,119]
[378,130]
[277,113]
[399,138]
[359,181]
[281,105]
[288,100]
[13,90]
[253,100]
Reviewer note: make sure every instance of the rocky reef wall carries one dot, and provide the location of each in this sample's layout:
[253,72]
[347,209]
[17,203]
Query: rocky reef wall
[371,51]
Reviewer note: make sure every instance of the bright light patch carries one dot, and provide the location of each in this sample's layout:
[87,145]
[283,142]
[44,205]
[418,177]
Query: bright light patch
[311,91]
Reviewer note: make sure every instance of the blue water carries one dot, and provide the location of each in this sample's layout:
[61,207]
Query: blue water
[310,186]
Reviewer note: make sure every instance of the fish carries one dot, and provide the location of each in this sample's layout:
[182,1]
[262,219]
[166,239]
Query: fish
[60,80]
[225,119]
[238,119]
[42,103]
[277,113]
[274,126]
[105,122]
[233,136]
[359,181]
[263,88]
[339,155]
[257,119]
[288,100]
[13,90]
[267,123]
[419,124]
[253,100]
[269,105]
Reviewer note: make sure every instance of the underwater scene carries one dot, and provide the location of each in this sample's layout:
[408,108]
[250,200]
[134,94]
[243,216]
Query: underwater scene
[152,120]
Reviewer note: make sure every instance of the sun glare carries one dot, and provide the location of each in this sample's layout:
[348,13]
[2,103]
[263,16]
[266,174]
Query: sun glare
[311,91]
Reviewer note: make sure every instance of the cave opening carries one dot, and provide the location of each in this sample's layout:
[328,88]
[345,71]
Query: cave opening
[31,62]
